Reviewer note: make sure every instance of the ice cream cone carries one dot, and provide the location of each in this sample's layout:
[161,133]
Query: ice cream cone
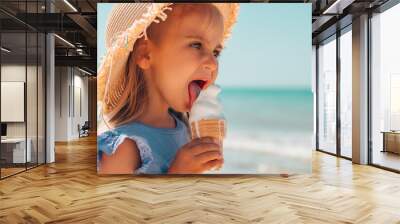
[215,128]
[206,116]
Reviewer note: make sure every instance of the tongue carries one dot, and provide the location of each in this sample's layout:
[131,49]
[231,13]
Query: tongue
[194,91]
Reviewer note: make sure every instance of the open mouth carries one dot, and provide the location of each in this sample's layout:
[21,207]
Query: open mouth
[200,83]
[194,90]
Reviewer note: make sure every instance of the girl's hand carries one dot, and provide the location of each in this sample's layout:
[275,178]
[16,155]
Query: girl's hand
[197,156]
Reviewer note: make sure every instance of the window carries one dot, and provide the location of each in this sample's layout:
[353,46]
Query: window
[346,93]
[327,96]
[385,88]
[395,102]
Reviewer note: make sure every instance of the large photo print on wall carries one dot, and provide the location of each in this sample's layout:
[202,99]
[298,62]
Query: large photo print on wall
[205,88]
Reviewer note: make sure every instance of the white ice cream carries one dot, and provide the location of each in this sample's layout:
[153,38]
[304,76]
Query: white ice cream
[207,105]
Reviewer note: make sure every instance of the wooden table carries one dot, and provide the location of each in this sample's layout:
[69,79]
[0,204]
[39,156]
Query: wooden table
[391,141]
[13,150]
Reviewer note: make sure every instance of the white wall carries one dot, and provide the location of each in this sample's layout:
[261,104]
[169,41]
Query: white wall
[67,115]
[12,73]
[80,83]
[33,127]
[61,103]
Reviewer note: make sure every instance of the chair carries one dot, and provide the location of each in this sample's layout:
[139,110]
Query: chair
[84,130]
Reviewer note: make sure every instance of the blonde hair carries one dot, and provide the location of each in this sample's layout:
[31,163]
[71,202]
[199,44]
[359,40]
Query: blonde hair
[133,96]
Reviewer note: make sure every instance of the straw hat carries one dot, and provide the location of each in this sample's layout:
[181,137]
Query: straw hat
[128,22]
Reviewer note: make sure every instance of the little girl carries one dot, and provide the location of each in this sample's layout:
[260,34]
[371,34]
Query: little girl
[155,51]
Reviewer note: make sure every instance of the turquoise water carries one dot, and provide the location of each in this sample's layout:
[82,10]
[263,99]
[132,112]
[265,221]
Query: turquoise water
[269,109]
[269,130]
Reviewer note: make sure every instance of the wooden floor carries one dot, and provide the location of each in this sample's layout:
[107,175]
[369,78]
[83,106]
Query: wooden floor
[10,171]
[69,191]
[387,159]
[5,172]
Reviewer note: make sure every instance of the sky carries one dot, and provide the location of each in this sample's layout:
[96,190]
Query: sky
[270,46]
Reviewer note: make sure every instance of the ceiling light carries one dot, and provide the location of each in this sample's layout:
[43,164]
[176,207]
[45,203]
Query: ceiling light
[5,50]
[70,5]
[338,6]
[65,41]
[84,71]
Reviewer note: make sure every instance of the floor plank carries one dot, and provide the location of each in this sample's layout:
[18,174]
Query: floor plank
[70,191]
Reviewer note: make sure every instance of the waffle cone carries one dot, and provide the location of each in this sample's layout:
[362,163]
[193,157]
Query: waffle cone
[208,128]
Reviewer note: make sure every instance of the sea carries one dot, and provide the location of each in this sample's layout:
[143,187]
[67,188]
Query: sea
[269,130]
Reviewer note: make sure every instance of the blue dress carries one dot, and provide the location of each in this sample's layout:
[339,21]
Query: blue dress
[157,146]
